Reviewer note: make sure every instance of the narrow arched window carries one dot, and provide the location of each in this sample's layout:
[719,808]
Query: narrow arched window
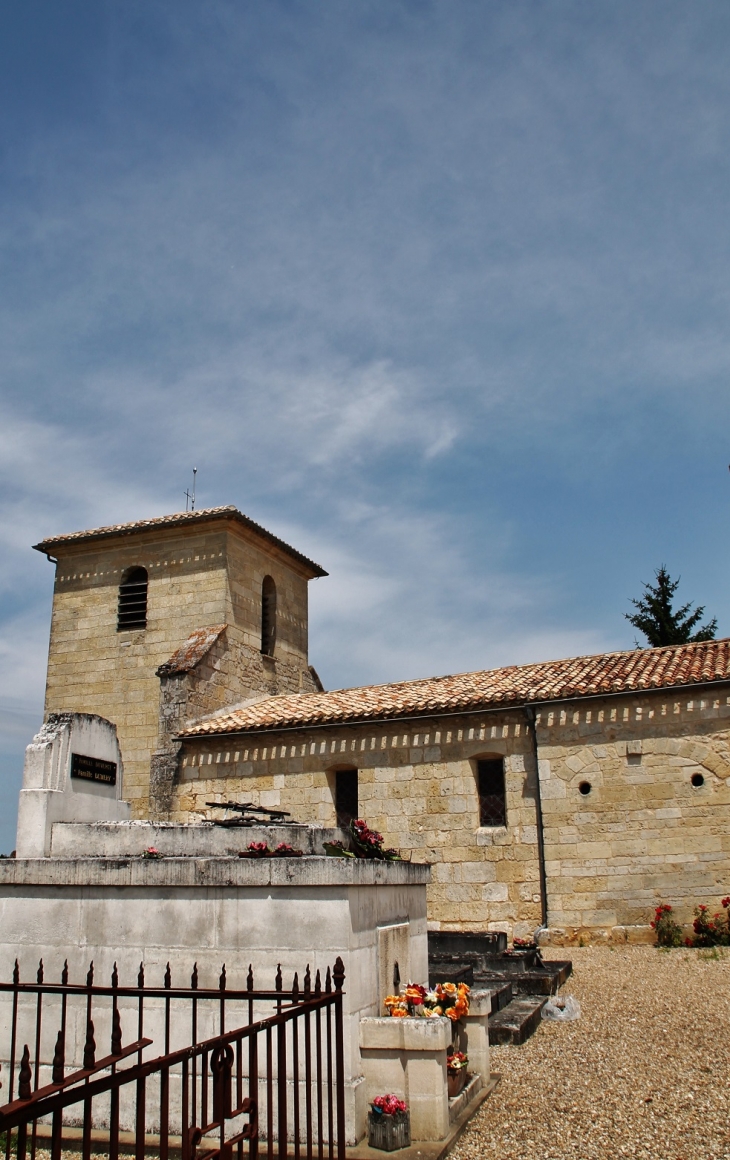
[491,789]
[268,616]
[132,607]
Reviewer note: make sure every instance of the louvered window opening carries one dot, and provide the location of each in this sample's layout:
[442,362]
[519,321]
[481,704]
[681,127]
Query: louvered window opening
[346,797]
[268,616]
[492,802]
[132,608]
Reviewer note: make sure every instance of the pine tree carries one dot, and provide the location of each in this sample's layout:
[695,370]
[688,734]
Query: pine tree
[660,623]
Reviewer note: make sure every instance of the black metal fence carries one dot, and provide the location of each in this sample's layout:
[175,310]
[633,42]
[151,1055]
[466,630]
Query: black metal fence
[272,1085]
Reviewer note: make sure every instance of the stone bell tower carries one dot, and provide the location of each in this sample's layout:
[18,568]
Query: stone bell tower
[158,622]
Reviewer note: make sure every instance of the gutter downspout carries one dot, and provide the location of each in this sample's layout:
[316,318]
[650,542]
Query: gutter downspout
[530,715]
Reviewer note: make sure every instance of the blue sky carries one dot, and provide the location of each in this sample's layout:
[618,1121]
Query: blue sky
[439,292]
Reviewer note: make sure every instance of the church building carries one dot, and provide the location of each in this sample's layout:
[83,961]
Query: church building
[571,795]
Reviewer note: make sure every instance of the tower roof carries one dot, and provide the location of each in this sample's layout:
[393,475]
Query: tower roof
[176,520]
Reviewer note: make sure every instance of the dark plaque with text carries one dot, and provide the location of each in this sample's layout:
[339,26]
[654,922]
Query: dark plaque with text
[93,769]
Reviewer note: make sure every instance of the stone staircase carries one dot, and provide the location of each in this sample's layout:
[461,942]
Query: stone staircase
[519,980]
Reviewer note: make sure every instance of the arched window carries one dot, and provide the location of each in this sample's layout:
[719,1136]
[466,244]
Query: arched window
[132,608]
[490,785]
[346,800]
[268,616]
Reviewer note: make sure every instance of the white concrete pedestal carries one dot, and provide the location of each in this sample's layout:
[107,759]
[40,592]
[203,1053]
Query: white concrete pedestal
[408,1058]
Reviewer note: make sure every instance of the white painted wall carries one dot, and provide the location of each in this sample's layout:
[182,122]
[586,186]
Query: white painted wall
[291,911]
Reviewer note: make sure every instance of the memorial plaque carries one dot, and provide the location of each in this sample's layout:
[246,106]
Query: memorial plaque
[93,769]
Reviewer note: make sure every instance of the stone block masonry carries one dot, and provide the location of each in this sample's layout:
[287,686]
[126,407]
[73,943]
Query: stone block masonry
[636,808]
[635,794]
[416,786]
[203,574]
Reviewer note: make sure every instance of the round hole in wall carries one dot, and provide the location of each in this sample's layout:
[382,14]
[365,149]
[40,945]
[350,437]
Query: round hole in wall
[697,780]
[585,788]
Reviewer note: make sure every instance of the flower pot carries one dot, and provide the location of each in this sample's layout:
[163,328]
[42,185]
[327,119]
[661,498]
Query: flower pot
[456,1081]
[388,1133]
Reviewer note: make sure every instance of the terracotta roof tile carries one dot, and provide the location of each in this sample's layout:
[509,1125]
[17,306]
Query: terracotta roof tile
[176,520]
[639,669]
[191,653]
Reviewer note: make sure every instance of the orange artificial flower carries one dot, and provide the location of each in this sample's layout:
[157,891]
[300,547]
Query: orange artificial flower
[413,995]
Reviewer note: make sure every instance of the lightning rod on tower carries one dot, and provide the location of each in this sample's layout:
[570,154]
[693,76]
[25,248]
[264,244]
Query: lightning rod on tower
[190,496]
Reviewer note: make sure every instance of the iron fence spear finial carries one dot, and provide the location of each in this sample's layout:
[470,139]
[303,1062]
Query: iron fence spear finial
[89,1047]
[25,1076]
[57,1075]
[116,1032]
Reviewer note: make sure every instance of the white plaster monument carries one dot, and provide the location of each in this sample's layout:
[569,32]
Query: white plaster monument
[73,773]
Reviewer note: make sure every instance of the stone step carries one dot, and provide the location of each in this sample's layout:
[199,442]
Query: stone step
[538,982]
[450,973]
[529,978]
[489,942]
[501,993]
[517,1021]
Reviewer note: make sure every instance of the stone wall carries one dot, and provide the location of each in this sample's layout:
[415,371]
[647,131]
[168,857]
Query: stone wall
[229,672]
[416,786]
[200,575]
[643,833]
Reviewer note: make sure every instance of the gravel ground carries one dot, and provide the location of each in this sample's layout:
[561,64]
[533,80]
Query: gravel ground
[644,1072]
